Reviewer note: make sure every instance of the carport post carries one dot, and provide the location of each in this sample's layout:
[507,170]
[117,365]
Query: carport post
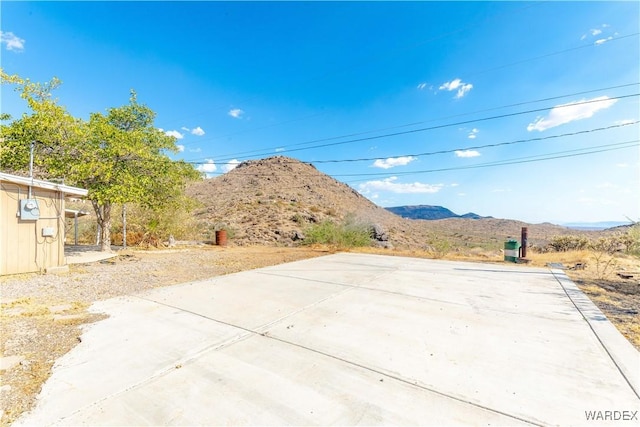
[75,228]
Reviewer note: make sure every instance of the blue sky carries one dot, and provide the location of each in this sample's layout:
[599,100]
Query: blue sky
[434,95]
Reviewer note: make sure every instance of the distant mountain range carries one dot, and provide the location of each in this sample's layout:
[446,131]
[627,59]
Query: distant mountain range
[438,212]
[430,212]
[602,225]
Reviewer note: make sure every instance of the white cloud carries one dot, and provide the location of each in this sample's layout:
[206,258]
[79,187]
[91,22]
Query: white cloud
[622,165]
[208,168]
[197,131]
[594,32]
[457,85]
[473,133]
[174,133]
[180,148]
[278,150]
[230,165]
[236,113]
[393,162]
[422,86]
[389,184]
[455,184]
[565,113]
[11,41]
[195,150]
[624,122]
[601,41]
[467,153]
[186,129]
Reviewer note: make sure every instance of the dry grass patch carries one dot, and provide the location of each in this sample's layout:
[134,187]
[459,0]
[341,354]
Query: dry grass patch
[617,297]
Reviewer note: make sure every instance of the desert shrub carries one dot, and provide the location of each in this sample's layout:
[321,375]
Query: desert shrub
[602,251]
[568,243]
[298,218]
[348,234]
[438,246]
[631,240]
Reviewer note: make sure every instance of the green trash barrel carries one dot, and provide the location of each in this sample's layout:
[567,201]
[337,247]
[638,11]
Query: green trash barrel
[511,250]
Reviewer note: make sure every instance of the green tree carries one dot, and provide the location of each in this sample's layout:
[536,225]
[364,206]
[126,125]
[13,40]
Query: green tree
[124,160]
[120,156]
[52,130]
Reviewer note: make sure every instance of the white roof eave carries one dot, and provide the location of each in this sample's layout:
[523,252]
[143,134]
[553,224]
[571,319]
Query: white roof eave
[66,189]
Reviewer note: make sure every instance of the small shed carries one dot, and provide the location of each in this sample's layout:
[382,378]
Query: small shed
[32,224]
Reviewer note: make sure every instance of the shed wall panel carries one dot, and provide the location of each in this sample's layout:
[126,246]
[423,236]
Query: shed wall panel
[23,248]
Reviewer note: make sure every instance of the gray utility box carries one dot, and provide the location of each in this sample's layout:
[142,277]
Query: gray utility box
[29,210]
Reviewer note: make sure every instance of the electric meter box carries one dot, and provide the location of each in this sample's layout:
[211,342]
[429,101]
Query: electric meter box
[48,232]
[29,210]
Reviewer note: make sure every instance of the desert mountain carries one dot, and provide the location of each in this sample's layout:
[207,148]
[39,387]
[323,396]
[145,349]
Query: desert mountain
[272,201]
[428,212]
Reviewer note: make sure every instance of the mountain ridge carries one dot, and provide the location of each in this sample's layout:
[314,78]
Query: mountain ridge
[429,212]
[272,201]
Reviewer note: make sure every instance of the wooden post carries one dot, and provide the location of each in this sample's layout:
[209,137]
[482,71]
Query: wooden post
[523,242]
[124,225]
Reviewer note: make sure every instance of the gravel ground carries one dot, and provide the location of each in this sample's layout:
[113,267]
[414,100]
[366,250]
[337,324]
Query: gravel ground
[42,315]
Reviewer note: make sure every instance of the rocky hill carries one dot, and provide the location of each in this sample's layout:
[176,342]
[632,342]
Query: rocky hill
[272,201]
[275,199]
[428,212]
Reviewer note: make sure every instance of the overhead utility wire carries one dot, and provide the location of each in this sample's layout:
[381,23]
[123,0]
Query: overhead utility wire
[453,124]
[469,75]
[548,55]
[477,147]
[453,150]
[261,151]
[434,127]
[528,159]
[554,156]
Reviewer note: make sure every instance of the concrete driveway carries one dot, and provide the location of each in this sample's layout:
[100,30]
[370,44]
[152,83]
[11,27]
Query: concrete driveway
[350,339]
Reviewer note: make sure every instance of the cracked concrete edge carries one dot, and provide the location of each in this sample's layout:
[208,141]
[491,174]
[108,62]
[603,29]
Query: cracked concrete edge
[621,351]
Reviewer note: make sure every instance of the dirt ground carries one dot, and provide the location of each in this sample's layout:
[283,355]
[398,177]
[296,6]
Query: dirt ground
[42,315]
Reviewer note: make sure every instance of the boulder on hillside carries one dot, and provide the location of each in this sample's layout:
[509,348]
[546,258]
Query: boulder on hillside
[378,233]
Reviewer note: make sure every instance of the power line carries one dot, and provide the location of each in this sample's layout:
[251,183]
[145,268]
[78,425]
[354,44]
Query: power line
[547,55]
[528,159]
[521,160]
[433,127]
[477,147]
[265,151]
[412,124]
[453,150]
